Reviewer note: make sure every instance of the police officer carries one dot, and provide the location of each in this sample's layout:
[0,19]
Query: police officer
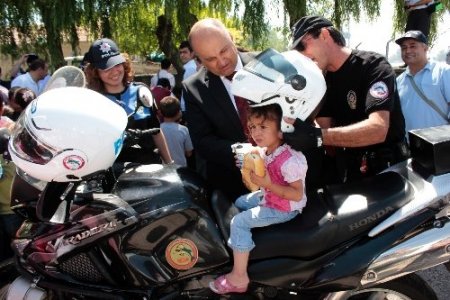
[110,73]
[361,123]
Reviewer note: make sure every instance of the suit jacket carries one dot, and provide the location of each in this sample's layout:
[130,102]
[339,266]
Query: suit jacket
[214,125]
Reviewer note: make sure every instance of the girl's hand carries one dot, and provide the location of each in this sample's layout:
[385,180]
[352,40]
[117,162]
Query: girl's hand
[264,182]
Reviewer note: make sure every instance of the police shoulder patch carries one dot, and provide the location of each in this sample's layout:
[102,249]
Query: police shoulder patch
[379,90]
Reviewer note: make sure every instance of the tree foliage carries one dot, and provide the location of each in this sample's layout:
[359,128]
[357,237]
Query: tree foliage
[143,26]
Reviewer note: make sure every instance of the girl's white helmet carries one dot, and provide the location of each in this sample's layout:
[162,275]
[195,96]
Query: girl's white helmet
[289,79]
[68,133]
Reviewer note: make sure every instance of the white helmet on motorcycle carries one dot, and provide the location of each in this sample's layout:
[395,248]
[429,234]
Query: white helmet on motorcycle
[68,133]
[289,79]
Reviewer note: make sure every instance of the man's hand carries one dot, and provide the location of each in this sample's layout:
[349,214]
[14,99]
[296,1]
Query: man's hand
[305,136]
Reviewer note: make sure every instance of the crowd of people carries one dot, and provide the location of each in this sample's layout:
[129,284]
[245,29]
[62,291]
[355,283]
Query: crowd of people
[360,130]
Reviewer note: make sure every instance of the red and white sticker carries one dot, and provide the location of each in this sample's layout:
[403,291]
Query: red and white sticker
[73,162]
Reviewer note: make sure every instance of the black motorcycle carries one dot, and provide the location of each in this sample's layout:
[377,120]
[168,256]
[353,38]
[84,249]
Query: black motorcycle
[157,232]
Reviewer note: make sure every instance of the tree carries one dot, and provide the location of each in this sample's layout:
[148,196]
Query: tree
[142,26]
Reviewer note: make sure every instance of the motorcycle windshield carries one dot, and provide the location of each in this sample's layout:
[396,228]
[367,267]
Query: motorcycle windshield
[65,77]
[27,147]
[272,66]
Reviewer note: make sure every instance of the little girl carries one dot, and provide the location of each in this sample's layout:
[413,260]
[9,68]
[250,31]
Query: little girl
[281,197]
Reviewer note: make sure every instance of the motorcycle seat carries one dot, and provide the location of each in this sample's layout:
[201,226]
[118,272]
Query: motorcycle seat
[331,218]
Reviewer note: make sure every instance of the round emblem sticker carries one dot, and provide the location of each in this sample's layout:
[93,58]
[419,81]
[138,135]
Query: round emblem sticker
[182,254]
[73,162]
[379,90]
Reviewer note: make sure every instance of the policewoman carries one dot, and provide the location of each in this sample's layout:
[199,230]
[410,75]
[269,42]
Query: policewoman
[110,73]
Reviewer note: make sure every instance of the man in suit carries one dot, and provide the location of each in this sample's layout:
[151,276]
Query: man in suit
[211,111]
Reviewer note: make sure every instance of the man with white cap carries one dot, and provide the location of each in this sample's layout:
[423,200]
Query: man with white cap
[361,119]
[424,86]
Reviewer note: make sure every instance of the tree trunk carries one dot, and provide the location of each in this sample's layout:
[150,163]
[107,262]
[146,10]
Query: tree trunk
[295,9]
[74,40]
[164,32]
[105,19]
[54,41]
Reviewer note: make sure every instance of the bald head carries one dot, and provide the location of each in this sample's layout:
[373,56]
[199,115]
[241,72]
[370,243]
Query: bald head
[208,27]
[212,43]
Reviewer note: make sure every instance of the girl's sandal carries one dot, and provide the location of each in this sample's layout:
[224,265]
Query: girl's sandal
[222,286]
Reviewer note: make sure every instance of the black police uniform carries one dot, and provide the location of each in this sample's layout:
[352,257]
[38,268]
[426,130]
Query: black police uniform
[365,83]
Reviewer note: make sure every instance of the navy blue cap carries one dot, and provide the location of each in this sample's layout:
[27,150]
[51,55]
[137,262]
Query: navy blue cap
[413,34]
[104,54]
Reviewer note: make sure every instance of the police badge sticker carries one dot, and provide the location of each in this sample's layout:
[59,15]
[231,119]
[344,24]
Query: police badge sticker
[351,99]
[379,90]
[182,254]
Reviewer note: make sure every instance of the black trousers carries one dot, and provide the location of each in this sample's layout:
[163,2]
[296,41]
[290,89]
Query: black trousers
[419,19]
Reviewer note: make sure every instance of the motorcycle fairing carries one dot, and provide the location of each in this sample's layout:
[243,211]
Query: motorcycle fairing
[427,192]
[339,269]
[345,271]
[104,216]
[334,217]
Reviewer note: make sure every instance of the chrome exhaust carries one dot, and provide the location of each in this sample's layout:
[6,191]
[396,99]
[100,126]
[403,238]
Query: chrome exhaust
[423,251]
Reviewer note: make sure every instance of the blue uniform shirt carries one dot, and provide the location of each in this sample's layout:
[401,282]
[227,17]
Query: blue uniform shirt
[128,100]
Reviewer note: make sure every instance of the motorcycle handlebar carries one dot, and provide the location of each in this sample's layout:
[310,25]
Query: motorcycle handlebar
[134,136]
[137,133]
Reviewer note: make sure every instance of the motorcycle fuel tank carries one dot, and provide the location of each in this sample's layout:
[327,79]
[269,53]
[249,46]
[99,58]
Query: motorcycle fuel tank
[176,236]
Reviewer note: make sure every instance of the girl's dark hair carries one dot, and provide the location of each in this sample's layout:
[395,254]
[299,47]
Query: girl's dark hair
[267,112]
[95,83]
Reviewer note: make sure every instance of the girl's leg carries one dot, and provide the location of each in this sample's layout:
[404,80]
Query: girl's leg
[242,243]
[248,201]
[241,238]
[238,276]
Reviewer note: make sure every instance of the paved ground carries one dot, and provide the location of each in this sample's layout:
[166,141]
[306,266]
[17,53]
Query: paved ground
[439,279]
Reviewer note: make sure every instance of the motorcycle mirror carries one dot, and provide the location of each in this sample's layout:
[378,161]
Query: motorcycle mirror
[66,76]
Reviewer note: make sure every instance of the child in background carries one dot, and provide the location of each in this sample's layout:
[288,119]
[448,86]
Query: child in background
[177,135]
[161,90]
[20,99]
[280,199]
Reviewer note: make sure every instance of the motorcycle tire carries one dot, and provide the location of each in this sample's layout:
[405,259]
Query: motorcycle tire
[409,287]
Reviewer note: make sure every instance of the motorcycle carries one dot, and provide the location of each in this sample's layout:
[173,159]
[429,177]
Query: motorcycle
[157,232]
